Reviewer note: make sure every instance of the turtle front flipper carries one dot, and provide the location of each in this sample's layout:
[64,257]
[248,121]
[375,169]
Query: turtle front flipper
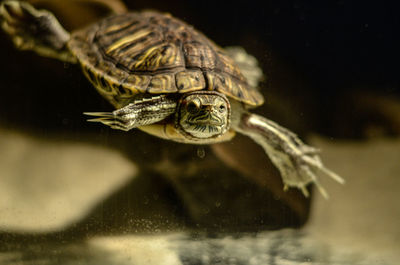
[141,112]
[36,30]
[296,161]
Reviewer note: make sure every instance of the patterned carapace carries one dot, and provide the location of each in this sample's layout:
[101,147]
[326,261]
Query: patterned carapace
[155,53]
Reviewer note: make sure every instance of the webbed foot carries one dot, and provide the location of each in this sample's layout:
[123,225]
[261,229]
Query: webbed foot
[36,30]
[296,161]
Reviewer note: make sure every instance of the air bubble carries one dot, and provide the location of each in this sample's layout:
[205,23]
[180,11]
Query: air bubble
[201,152]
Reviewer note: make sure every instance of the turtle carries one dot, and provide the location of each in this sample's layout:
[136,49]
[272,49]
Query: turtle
[166,78]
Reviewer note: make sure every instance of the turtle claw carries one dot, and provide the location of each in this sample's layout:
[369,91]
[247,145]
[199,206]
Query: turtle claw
[106,118]
[102,120]
[12,11]
[110,119]
[100,114]
[17,20]
[316,163]
[305,191]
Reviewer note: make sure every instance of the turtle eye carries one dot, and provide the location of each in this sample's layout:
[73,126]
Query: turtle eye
[222,108]
[193,106]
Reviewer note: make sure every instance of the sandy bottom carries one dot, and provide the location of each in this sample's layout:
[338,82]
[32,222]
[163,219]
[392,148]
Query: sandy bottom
[46,186]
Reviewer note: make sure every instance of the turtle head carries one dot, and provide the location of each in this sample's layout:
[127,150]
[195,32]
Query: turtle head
[203,114]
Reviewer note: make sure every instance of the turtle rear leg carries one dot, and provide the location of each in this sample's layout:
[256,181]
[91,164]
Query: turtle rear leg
[36,30]
[296,161]
[247,64]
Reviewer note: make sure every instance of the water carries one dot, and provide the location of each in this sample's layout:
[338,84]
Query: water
[78,193]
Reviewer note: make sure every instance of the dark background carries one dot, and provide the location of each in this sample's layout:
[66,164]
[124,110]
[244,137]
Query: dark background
[320,57]
[326,63]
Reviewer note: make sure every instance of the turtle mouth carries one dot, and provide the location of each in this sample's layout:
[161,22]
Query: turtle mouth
[207,123]
[207,119]
[204,130]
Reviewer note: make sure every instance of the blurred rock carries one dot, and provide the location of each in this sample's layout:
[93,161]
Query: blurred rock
[362,215]
[47,186]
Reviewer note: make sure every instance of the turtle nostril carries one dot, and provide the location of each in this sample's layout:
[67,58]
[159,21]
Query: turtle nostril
[208,107]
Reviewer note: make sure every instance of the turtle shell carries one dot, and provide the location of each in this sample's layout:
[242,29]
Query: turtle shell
[149,52]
